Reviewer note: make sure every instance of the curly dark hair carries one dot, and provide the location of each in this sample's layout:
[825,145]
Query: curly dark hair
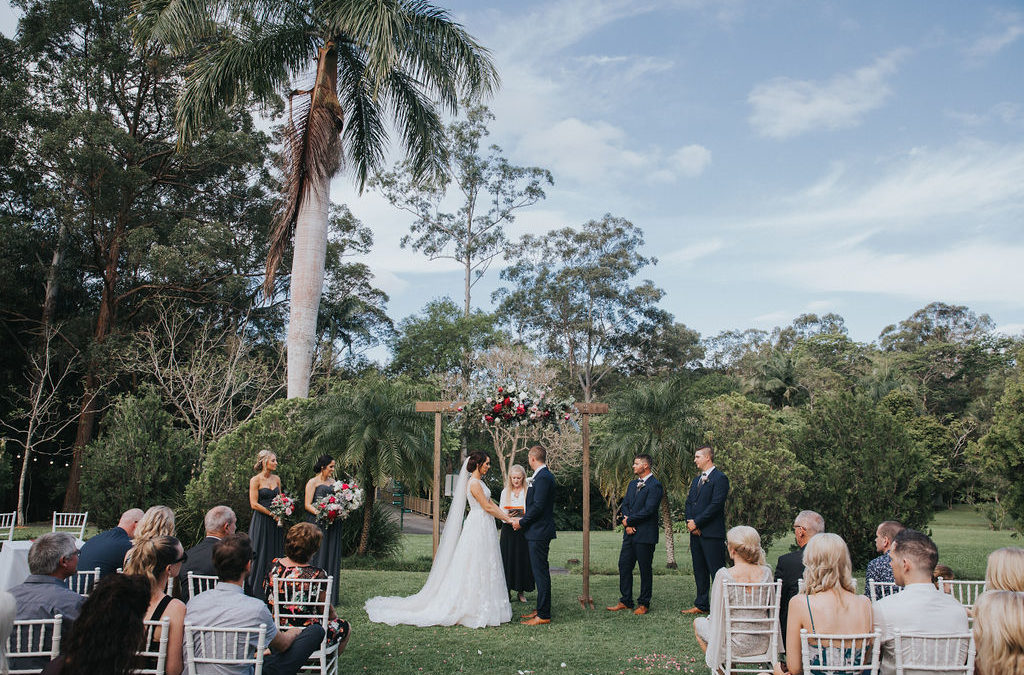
[302,541]
[322,463]
[476,458]
[109,631]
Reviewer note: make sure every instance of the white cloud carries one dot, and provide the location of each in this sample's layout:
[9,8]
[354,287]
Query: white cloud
[691,160]
[989,45]
[784,107]
[695,251]
[582,151]
[1011,329]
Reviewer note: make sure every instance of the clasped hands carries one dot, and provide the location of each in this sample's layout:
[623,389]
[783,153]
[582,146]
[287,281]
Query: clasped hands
[692,527]
[514,522]
[625,524]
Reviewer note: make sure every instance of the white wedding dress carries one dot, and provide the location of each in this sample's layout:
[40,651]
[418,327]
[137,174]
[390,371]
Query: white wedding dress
[466,584]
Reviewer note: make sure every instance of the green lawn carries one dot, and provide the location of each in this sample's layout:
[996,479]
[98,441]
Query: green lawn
[585,641]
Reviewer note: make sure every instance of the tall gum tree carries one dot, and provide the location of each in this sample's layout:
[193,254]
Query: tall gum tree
[376,61]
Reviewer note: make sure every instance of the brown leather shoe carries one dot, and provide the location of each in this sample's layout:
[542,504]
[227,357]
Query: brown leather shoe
[692,610]
[641,609]
[618,607]
[528,616]
[535,621]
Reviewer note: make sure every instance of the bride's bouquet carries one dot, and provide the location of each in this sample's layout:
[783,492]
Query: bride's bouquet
[346,497]
[281,506]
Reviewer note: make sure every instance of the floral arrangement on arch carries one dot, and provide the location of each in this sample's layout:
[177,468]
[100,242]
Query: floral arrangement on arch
[506,405]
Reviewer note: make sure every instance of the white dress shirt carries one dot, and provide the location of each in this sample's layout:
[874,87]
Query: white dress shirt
[918,608]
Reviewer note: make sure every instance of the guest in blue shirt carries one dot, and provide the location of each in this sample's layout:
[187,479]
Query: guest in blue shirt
[880,569]
[106,550]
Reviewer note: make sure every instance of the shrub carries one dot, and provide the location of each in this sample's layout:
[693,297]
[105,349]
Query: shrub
[228,466]
[862,468]
[1001,450]
[385,533]
[752,448]
[139,459]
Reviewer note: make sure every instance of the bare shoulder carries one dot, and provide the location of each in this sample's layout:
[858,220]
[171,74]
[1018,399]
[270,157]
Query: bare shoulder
[255,480]
[176,608]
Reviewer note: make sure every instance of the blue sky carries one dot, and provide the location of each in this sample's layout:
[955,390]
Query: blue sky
[781,157]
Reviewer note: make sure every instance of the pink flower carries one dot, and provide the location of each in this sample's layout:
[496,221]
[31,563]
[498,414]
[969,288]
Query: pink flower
[488,418]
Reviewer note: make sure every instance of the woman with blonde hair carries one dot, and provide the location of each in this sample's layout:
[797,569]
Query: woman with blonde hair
[515,553]
[999,633]
[265,531]
[829,604]
[1005,570]
[159,559]
[157,521]
[744,547]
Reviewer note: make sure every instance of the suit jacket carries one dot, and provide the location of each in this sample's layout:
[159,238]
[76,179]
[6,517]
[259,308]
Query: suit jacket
[640,506]
[705,504]
[200,561]
[106,550]
[789,569]
[539,521]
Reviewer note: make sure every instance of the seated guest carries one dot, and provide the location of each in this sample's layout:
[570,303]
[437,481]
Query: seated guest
[999,633]
[744,547]
[944,572]
[1005,570]
[157,521]
[227,605]
[880,569]
[159,559]
[920,607]
[109,632]
[107,549]
[7,609]
[301,542]
[829,604]
[790,566]
[220,521]
[52,558]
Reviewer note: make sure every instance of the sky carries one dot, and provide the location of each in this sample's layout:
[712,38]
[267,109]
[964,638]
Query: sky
[781,156]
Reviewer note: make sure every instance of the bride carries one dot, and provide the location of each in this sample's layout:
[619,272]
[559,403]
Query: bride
[466,584]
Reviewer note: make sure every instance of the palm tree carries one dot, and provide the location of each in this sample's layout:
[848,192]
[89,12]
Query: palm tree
[779,379]
[374,431]
[375,62]
[655,417]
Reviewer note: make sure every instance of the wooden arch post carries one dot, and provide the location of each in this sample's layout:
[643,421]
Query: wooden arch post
[438,408]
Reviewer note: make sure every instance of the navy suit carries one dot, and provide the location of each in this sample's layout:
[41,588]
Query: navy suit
[789,569]
[538,527]
[640,509]
[106,550]
[705,506]
[200,561]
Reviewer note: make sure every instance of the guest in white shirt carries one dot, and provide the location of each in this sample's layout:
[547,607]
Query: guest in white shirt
[920,607]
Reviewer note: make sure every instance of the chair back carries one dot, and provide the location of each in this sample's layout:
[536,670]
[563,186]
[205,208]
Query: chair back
[966,592]
[752,610]
[82,582]
[301,601]
[852,653]
[7,521]
[923,654]
[882,589]
[70,522]
[33,643]
[155,660]
[197,583]
[218,646]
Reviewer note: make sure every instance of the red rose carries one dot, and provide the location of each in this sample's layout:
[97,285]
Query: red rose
[520,410]
[506,401]
[488,418]
[497,408]
[500,389]
[547,413]
[344,486]
[331,500]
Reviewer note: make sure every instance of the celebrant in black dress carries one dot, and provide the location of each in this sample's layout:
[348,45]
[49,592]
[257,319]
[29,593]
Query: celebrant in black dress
[515,553]
[328,557]
[265,531]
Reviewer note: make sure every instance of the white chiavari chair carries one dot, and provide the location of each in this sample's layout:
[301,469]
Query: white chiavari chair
[882,589]
[7,521]
[197,583]
[83,582]
[155,660]
[306,600]
[752,610]
[218,646]
[70,522]
[855,653]
[940,654]
[33,643]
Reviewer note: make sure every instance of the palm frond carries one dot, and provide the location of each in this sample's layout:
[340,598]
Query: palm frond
[175,23]
[422,130]
[365,134]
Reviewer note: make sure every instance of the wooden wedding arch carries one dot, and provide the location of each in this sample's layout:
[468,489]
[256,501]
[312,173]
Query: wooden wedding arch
[585,410]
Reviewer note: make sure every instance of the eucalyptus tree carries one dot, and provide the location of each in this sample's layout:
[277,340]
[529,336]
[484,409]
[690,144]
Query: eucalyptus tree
[374,61]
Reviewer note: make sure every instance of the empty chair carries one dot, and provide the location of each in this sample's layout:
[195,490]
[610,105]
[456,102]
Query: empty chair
[154,650]
[82,582]
[822,654]
[926,653]
[33,643]
[752,610]
[210,645]
[301,602]
[7,521]
[881,589]
[70,522]
[197,583]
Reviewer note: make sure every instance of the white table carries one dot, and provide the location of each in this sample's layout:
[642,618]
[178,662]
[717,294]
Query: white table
[14,562]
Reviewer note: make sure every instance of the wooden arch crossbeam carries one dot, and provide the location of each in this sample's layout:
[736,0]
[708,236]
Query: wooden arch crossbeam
[585,410]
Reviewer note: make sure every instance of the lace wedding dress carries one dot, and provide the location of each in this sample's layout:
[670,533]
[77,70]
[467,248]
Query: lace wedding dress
[466,584]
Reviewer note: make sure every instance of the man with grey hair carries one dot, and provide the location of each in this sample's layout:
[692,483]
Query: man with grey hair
[43,595]
[107,549]
[220,521]
[790,567]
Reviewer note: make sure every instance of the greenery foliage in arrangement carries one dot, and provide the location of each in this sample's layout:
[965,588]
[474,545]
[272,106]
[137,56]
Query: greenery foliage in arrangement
[139,459]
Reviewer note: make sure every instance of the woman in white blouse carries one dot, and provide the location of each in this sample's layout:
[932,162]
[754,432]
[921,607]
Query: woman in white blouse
[515,555]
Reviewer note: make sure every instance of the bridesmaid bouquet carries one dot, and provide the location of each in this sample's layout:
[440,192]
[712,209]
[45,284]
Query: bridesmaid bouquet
[347,498]
[281,506]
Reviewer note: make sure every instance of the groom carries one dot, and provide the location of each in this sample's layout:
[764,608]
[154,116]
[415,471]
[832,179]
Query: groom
[539,526]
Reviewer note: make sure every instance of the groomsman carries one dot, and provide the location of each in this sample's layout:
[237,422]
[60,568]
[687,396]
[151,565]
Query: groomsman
[539,529]
[639,513]
[705,519]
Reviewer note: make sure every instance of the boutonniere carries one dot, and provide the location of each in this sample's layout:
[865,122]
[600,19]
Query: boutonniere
[640,486]
[529,482]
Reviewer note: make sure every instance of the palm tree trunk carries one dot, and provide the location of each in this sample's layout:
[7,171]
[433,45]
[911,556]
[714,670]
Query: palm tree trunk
[307,284]
[670,542]
[364,536]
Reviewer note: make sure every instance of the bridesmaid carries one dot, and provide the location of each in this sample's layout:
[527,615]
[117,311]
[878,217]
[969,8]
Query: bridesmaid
[515,554]
[329,556]
[265,531]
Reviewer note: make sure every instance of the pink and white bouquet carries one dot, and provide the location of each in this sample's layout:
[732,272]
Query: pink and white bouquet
[346,497]
[281,506]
